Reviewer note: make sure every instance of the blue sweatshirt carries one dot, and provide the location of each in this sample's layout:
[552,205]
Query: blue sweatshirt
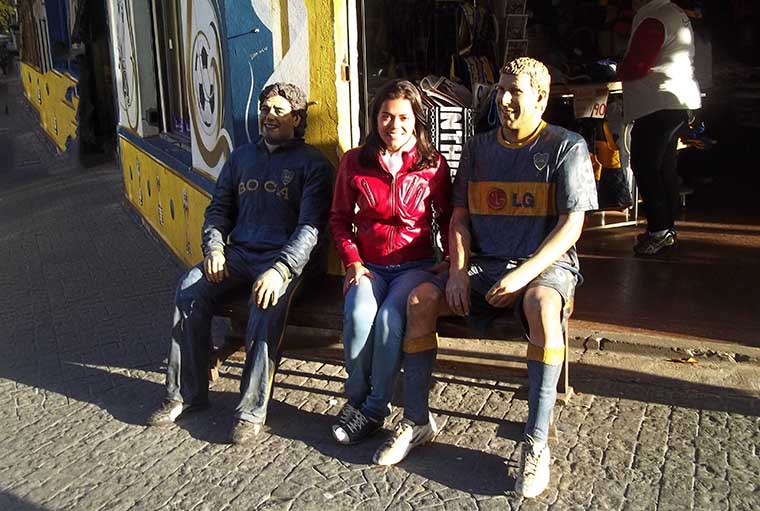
[273,204]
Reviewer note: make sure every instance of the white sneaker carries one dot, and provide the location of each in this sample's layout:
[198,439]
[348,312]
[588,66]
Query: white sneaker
[533,475]
[406,436]
[167,413]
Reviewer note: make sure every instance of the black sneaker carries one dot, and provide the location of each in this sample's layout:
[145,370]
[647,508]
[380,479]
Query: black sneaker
[649,244]
[356,428]
[344,416]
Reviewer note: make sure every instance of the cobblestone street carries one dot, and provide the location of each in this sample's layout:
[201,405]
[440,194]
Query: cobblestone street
[85,302]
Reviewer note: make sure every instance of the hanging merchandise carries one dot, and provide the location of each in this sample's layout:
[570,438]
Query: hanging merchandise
[449,117]
[612,183]
[477,33]
[471,70]
[441,91]
[485,109]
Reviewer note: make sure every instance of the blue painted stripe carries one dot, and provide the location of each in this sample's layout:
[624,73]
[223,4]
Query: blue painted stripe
[175,158]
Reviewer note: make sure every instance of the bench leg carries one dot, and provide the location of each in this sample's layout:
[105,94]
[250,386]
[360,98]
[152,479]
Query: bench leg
[217,357]
[553,436]
[564,389]
[214,363]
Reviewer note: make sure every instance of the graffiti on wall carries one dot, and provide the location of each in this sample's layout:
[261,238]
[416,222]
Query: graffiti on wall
[126,65]
[205,69]
[288,22]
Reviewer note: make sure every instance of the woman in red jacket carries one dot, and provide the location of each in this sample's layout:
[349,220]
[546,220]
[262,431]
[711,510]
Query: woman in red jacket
[387,193]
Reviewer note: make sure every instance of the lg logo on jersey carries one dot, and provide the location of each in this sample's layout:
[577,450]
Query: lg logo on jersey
[253,185]
[497,199]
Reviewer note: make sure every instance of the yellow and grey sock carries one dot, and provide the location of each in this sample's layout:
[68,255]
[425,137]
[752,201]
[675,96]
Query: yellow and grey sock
[419,358]
[544,368]
[550,356]
[420,344]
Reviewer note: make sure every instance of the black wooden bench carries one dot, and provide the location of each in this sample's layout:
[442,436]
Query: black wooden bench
[319,305]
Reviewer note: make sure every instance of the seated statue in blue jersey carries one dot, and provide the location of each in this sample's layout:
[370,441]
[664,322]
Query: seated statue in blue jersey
[269,209]
[520,197]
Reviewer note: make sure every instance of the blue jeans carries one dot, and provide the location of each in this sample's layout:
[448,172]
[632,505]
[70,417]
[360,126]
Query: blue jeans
[374,319]
[195,301]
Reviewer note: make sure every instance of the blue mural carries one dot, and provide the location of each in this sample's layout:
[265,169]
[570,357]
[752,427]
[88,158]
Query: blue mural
[249,52]
[58,30]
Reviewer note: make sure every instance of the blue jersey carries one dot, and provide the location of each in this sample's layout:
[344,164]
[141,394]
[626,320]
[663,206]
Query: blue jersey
[515,192]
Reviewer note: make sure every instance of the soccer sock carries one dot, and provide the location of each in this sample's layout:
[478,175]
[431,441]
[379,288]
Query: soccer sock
[544,368]
[419,358]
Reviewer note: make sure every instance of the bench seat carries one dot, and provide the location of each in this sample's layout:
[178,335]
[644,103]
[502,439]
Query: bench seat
[319,305]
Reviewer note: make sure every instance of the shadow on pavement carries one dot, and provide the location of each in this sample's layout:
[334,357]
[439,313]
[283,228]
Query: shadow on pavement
[585,379]
[653,388]
[10,502]
[466,469]
[128,399]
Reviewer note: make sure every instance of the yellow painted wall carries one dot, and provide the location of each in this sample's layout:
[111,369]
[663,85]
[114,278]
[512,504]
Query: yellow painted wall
[167,201]
[47,93]
[329,118]
[322,130]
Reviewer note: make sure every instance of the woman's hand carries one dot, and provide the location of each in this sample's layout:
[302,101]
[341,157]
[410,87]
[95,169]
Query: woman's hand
[354,272]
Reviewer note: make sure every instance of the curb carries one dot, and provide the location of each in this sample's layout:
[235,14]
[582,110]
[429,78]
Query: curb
[657,345]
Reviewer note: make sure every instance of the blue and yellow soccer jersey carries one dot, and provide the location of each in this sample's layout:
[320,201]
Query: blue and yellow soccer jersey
[514,193]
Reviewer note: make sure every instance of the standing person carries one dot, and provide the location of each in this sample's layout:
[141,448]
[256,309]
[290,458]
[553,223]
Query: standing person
[659,89]
[520,197]
[5,57]
[386,194]
[269,208]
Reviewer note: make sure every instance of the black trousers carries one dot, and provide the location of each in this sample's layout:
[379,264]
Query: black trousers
[654,139]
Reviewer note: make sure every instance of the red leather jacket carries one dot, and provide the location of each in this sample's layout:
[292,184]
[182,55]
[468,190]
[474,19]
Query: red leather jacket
[393,218]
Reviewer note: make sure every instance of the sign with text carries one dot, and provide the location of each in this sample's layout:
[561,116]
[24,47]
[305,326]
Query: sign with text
[450,127]
[590,101]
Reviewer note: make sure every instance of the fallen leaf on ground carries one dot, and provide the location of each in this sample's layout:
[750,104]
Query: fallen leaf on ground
[685,360]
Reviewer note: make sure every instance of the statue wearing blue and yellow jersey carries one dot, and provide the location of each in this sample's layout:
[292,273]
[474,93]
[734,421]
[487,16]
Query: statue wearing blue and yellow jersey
[515,192]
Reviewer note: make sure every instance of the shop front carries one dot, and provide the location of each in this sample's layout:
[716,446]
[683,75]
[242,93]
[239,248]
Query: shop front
[454,49]
[185,77]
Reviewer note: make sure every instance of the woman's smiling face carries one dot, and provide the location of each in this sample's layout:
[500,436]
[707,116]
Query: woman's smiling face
[395,123]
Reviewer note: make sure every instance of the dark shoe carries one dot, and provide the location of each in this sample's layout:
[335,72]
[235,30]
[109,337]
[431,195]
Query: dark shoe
[356,428]
[649,244]
[244,431]
[344,416]
[167,413]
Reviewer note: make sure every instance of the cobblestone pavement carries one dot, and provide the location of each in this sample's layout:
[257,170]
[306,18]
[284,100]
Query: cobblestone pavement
[85,299]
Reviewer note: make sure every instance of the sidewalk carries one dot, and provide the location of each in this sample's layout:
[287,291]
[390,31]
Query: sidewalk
[85,301]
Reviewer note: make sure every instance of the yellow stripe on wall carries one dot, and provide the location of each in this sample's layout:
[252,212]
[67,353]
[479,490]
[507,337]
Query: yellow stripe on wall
[166,200]
[284,26]
[47,94]
[511,199]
